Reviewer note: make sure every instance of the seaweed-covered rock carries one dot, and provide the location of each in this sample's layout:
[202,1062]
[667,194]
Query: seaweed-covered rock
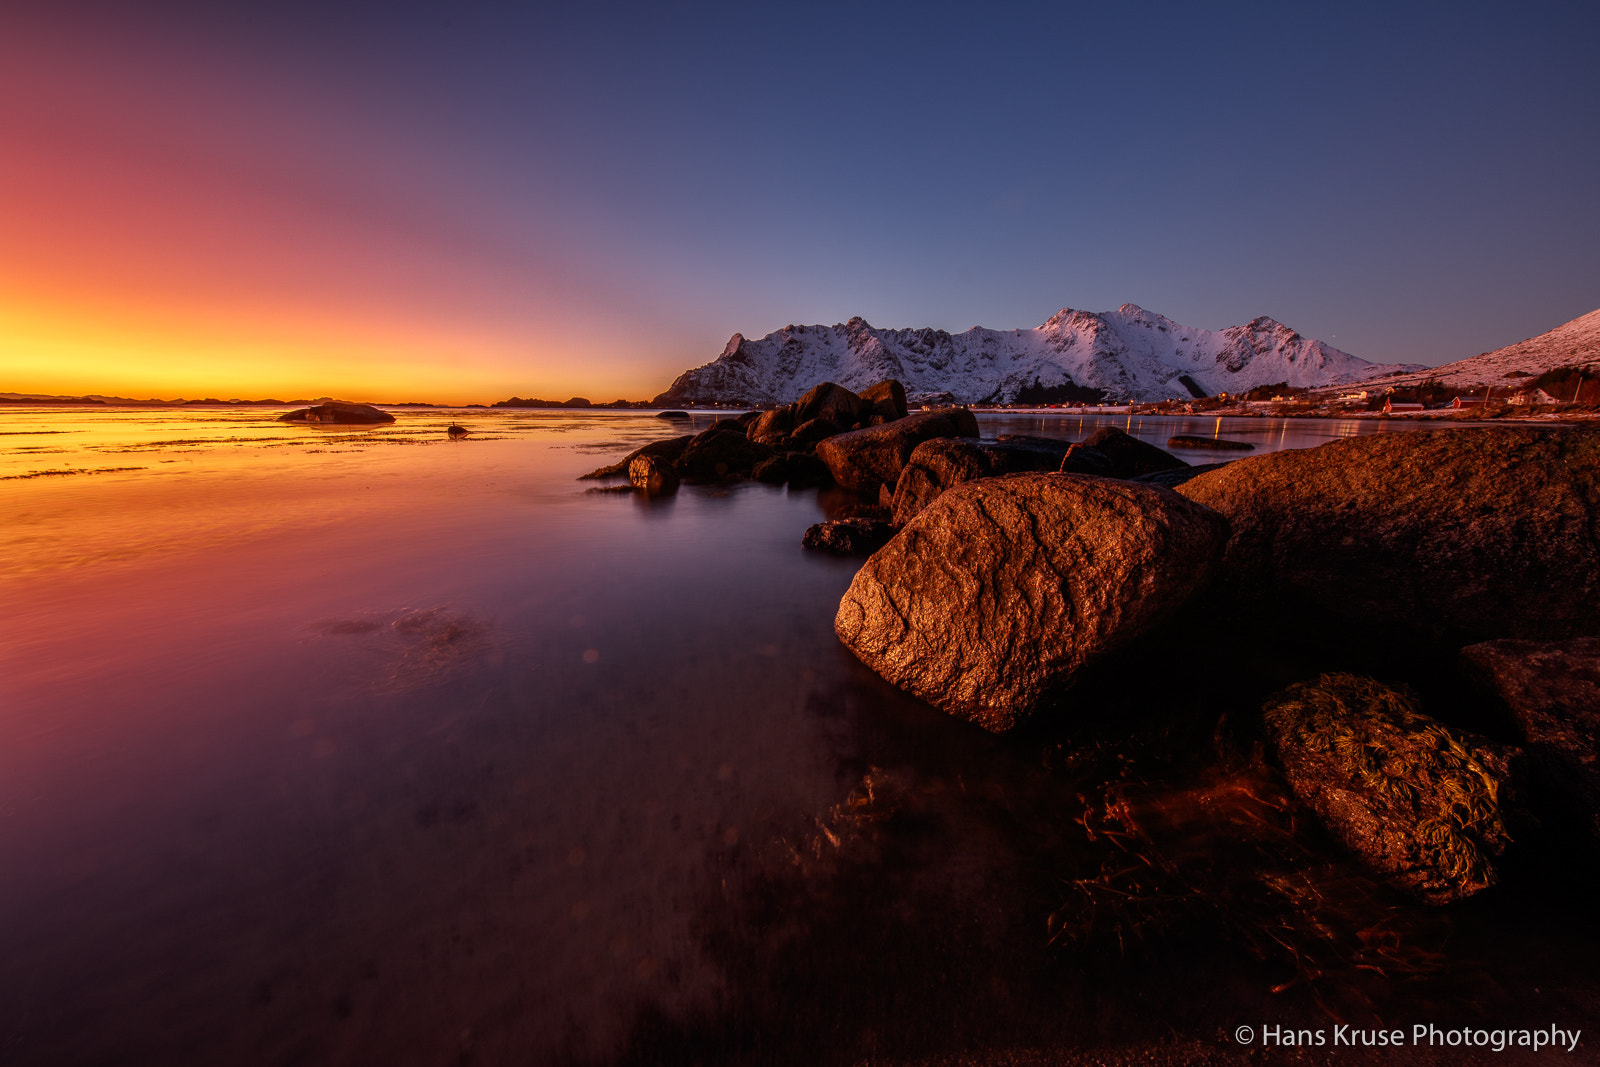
[338,413]
[1417,803]
[774,470]
[1129,456]
[848,537]
[863,460]
[653,476]
[719,455]
[1552,689]
[936,465]
[1455,535]
[668,449]
[990,601]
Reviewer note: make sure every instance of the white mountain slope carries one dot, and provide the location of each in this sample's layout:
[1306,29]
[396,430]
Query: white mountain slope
[1571,344]
[1127,354]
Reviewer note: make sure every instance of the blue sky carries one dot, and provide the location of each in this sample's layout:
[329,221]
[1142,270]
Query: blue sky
[546,200]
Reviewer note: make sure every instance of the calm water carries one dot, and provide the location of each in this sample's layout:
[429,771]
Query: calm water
[374,747]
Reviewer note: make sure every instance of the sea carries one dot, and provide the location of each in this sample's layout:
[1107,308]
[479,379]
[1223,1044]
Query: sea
[371,746]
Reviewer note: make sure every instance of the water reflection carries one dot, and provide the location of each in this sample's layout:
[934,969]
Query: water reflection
[349,747]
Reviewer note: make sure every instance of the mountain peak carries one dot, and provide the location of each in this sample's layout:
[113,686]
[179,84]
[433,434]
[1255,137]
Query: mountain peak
[1122,355]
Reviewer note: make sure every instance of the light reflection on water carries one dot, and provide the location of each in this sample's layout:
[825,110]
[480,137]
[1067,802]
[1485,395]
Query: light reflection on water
[371,746]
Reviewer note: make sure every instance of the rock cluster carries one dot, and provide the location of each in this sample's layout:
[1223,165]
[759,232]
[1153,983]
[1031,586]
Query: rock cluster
[1005,582]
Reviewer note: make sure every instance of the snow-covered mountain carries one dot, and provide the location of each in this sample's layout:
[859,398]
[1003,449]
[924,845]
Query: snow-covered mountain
[1127,354]
[1571,344]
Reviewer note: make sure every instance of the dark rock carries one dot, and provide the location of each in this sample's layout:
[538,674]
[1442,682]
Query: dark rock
[1129,456]
[888,398]
[1086,459]
[747,420]
[1184,440]
[1451,535]
[773,426]
[669,449]
[832,402]
[1552,689]
[774,470]
[1417,803]
[672,414]
[721,426]
[1178,475]
[807,471]
[848,537]
[936,465]
[990,601]
[720,455]
[862,460]
[456,433]
[813,430]
[338,413]
[653,475]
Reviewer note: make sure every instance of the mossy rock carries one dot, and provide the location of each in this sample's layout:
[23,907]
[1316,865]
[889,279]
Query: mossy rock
[1415,801]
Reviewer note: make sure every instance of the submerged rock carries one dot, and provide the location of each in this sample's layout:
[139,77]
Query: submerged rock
[1457,535]
[863,460]
[936,465]
[1552,689]
[653,476]
[338,413]
[1129,456]
[989,601]
[1174,478]
[1184,440]
[848,537]
[1418,804]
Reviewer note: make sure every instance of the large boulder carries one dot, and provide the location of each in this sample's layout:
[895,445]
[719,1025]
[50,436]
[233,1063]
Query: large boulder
[1417,803]
[992,599]
[773,426]
[338,413]
[1176,477]
[888,398]
[863,460]
[834,403]
[669,449]
[1129,456]
[1456,535]
[936,465]
[1552,689]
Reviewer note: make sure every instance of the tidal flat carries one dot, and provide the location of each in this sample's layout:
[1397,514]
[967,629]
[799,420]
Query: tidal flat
[332,746]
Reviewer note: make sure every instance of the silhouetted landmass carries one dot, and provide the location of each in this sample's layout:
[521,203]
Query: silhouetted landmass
[575,402]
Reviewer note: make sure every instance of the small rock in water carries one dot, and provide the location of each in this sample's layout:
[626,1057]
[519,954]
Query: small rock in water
[848,537]
[653,476]
[455,432]
[1416,802]
[672,414]
[1184,440]
[338,413]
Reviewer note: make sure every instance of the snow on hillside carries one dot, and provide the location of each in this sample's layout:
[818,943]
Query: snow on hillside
[1127,354]
[1572,343]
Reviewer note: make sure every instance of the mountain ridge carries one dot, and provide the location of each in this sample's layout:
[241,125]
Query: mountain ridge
[1118,356]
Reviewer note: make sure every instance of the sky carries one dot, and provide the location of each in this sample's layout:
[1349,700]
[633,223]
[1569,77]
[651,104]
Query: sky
[461,202]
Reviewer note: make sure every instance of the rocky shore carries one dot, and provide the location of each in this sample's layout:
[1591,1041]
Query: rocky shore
[1393,636]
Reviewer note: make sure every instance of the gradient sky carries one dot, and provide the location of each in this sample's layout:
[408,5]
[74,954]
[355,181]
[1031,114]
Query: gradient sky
[460,202]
